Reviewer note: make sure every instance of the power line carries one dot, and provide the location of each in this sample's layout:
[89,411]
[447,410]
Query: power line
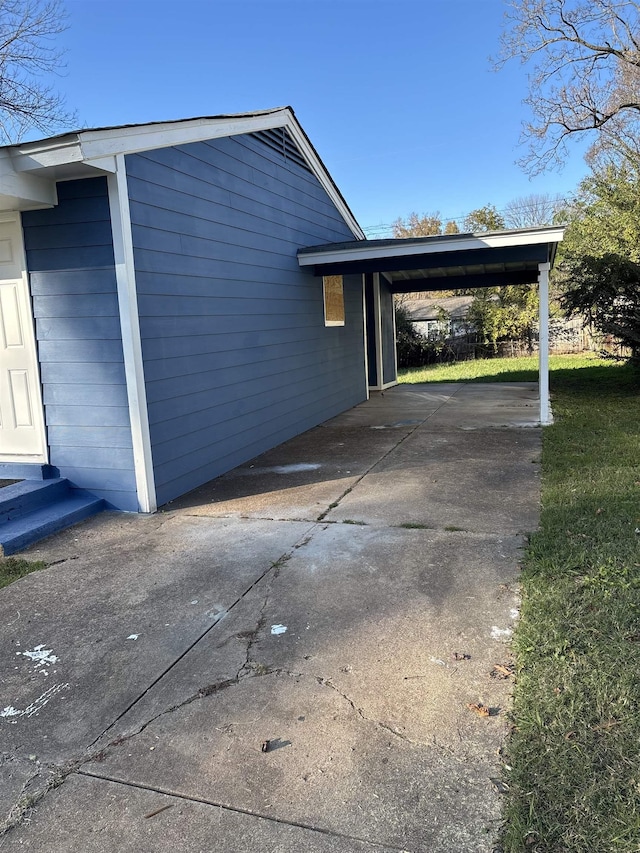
[382,230]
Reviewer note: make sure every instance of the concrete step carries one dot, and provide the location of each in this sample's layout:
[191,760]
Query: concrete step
[61,508]
[26,471]
[20,498]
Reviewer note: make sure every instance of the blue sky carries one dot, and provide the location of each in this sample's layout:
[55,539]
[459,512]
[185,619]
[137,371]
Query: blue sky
[398,96]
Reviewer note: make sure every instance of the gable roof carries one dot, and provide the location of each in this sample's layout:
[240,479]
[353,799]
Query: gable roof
[29,170]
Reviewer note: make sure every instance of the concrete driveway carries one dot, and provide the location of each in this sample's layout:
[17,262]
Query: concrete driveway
[285,658]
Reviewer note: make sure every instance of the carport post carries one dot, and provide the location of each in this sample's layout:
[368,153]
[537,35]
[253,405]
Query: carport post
[543,343]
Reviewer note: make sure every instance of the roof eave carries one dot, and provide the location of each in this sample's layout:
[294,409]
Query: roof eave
[87,152]
[402,248]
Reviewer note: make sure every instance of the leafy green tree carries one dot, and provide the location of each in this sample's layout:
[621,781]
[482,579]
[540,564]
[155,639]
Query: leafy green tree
[484,218]
[606,291]
[598,274]
[423,225]
[505,313]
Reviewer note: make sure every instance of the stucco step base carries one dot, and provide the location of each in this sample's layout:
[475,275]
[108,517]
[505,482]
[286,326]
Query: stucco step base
[33,509]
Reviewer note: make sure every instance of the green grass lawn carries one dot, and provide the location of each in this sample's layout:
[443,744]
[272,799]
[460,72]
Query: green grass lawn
[573,760]
[523,369]
[12,568]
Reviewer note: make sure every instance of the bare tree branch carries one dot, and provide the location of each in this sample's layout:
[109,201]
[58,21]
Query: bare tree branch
[585,77]
[28,58]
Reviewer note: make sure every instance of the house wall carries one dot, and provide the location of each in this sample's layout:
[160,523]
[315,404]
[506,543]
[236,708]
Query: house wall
[236,354]
[71,265]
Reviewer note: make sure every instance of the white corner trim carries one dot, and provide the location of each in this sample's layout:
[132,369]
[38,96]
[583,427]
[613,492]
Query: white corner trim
[378,320]
[365,338]
[131,342]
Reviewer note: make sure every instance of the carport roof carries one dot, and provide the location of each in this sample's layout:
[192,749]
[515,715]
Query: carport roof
[445,262]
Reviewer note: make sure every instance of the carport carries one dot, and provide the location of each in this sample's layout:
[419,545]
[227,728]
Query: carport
[449,262]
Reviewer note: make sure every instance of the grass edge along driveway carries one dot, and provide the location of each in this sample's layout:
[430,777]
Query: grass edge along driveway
[572,764]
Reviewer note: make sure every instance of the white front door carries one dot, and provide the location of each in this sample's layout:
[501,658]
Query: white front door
[22,434]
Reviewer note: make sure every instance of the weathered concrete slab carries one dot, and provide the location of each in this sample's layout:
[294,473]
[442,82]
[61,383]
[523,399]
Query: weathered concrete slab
[483,405]
[95,816]
[296,480]
[328,767]
[477,480]
[351,673]
[402,405]
[356,649]
[83,639]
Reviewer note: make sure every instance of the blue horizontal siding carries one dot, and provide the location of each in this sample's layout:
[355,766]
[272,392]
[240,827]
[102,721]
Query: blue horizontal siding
[97,373]
[110,437]
[216,324]
[68,282]
[84,416]
[80,394]
[82,305]
[301,351]
[231,428]
[73,285]
[237,357]
[72,328]
[97,351]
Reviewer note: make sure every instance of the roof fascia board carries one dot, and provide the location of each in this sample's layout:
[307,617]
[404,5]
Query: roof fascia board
[130,140]
[94,145]
[466,243]
[515,256]
[98,147]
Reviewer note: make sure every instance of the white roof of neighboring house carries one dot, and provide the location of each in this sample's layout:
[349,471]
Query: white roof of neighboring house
[428,309]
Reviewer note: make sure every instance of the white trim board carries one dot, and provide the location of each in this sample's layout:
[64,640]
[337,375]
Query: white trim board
[131,342]
[430,245]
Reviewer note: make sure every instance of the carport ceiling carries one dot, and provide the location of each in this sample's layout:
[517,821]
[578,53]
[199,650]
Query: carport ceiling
[449,262]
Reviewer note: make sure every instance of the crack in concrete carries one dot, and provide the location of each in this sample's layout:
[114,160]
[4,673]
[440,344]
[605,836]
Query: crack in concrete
[326,682]
[32,792]
[26,799]
[248,812]
[402,439]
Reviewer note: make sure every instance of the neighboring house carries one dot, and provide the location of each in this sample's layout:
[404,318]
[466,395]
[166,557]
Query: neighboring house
[178,297]
[427,316]
[428,319]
